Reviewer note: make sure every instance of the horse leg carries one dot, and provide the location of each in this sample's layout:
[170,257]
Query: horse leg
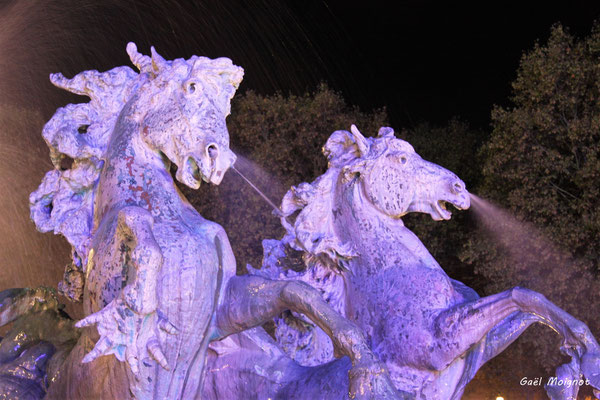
[499,338]
[574,332]
[263,370]
[579,342]
[252,300]
[460,327]
[504,334]
[129,325]
[494,343]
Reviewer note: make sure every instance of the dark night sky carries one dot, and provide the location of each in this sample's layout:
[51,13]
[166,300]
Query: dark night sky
[425,61]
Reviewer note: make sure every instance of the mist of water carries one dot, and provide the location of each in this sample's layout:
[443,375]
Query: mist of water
[521,241]
[257,170]
[257,190]
[262,182]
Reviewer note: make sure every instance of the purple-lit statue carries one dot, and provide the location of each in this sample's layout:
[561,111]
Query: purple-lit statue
[158,280]
[432,332]
[166,316]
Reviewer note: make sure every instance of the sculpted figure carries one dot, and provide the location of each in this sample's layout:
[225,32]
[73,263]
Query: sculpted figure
[432,332]
[159,280]
[166,316]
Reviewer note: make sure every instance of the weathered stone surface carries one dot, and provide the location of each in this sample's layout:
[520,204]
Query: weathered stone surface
[159,280]
[33,349]
[433,333]
[372,316]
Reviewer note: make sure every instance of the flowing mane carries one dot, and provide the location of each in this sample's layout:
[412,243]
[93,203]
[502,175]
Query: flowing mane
[64,202]
[326,256]
[347,154]
[321,246]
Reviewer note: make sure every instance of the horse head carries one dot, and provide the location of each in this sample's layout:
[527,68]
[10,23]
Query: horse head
[181,111]
[389,175]
[174,108]
[395,179]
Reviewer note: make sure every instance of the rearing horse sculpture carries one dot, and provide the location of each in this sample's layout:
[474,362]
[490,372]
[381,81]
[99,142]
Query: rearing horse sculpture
[160,280]
[432,332]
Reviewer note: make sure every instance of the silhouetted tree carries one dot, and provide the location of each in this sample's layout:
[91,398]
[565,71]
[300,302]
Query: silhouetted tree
[542,163]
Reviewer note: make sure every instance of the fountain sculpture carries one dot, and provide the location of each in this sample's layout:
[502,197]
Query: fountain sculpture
[166,316]
[432,332]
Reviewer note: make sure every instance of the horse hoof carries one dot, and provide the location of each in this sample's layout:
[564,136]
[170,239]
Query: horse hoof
[590,366]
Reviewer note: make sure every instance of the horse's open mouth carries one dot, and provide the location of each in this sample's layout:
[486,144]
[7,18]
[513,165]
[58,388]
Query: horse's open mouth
[193,165]
[441,208]
[191,174]
[195,172]
[193,169]
[196,169]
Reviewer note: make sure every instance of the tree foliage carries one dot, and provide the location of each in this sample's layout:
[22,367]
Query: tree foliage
[541,163]
[542,159]
[278,141]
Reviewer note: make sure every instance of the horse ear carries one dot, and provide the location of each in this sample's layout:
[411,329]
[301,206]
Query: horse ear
[232,74]
[158,62]
[359,139]
[142,62]
[385,132]
[342,147]
[230,77]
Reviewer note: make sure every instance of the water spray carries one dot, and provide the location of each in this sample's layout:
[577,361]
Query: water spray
[277,209]
[284,221]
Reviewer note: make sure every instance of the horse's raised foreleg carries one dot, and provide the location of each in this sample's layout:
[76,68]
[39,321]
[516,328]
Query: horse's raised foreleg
[495,342]
[502,335]
[574,332]
[578,340]
[252,300]
[460,327]
[502,318]
[128,325]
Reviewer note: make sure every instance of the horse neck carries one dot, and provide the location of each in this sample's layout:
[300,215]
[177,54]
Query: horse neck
[135,174]
[379,240]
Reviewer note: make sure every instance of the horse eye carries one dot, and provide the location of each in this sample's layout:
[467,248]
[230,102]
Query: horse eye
[398,158]
[191,87]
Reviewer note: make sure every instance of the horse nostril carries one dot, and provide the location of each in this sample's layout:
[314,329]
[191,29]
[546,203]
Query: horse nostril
[213,150]
[458,187]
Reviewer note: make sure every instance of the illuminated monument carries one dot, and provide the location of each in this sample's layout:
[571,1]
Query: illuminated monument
[371,316]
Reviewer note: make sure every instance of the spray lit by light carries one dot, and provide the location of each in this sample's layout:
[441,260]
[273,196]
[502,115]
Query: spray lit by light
[264,196]
[524,243]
